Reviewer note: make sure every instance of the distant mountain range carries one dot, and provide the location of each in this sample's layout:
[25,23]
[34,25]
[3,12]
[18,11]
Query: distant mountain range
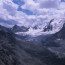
[52,27]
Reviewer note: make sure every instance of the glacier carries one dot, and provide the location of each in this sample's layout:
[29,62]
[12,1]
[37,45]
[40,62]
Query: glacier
[56,24]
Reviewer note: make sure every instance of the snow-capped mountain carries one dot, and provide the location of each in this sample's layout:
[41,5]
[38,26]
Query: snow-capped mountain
[52,27]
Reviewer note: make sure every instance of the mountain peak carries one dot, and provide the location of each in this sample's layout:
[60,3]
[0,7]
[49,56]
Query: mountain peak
[54,25]
[17,28]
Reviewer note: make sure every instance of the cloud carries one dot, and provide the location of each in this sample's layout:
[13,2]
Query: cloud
[7,8]
[9,13]
[44,11]
[47,8]
[30,4]
[10,9]
[48,3]
[35,5]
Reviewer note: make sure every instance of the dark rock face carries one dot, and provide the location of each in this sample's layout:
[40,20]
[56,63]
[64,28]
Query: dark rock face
[35,27]
[49,26]
[17,52]
[17,28]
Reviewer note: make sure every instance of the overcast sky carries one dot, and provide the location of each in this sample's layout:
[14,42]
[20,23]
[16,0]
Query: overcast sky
[35,12]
